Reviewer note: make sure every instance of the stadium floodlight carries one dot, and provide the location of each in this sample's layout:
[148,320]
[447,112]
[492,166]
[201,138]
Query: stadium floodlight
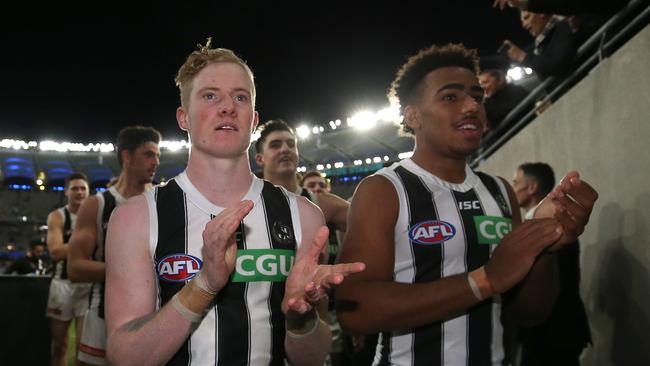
[376,159]
[518,73]
[254,136]
[363,120]
[389,114]
[368,161]
[405,155]
[337,122]
[320,167]
[302,131]
[386,158]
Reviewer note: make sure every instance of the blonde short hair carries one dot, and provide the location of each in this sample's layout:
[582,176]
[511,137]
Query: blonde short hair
[206,55]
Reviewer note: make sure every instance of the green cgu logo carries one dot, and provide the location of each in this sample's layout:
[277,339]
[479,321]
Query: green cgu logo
[268,265]
[491,229]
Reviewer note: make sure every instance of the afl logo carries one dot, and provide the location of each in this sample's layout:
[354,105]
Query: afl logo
[178,267]
[431,232]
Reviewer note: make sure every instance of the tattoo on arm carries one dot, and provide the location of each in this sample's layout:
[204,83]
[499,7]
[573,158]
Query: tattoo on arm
[135,324]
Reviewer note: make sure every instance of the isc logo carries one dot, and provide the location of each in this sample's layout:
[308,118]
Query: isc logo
[178,267]
[431,232]
[469,205]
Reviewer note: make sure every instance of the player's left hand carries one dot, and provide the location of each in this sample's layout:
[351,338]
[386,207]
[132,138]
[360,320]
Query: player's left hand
[571,203]
[309,281]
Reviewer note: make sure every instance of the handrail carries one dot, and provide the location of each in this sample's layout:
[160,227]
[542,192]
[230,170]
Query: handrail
[507,129]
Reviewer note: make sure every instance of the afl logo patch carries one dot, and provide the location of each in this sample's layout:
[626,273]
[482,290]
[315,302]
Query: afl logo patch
[178,267]
[431,232]
[282,233]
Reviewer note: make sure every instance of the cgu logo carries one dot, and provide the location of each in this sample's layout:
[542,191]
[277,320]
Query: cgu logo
[491,229]
[178,267]
[431,232]
[269,265]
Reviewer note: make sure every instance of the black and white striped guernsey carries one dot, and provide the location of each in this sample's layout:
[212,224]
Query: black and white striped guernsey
[69,220]
[107,201]
[445,229]
[246,325]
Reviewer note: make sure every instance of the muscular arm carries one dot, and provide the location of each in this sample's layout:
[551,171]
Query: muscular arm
[335,210]
[136,333]
[371,301]
[81,266]
[55,245]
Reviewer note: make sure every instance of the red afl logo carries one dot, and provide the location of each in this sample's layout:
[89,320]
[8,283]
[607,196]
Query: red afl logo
[178,267]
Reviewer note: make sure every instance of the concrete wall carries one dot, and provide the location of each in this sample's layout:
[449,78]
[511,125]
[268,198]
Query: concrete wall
[601,128]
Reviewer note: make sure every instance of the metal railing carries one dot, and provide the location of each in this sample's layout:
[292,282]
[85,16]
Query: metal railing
[608,38]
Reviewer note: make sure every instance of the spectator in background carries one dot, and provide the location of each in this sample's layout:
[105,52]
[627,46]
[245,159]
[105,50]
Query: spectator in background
[560,339]
[501,97]
[565,7]
[31,263]
[555,46]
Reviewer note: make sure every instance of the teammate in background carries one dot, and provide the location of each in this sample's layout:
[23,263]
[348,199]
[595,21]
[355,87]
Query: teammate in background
[66,300]
[560,339]
[214,220]
[139,156]
[277,155]
[315,182]
[435,235]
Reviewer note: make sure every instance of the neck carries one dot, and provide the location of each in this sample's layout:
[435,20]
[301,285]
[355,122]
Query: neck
[127,187]
[447,168]
[223,181]
[73,208]
[288,181]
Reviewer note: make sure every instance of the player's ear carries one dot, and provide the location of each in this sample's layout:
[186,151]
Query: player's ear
[412,117]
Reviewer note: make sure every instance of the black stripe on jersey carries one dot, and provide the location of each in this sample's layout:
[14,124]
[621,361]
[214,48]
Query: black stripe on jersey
[109,206]
[479,317]
[277,213]
[493,187]
[233,319]
[172,239]
[67,233]
[427,342]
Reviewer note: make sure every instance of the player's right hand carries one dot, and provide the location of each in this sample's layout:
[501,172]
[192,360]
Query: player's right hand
[516,253]
[219,245]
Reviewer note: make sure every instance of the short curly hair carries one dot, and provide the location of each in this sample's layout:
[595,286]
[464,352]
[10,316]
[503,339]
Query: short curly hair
[206,55]
[408,82]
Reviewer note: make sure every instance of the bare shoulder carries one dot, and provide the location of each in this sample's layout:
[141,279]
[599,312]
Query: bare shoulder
[132,215]
[308,210]
[55,218]
[375,186]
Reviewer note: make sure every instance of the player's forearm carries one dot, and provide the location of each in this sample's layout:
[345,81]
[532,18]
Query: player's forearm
[86,270]
[58,252]
[309,349]
[533,299]
[366,307]
[149,340]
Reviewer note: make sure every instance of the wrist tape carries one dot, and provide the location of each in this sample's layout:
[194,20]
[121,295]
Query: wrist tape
[480,284]
[194,299]
[309,327]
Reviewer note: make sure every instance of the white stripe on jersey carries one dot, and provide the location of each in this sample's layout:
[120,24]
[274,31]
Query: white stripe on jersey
[454,331]
[198,213]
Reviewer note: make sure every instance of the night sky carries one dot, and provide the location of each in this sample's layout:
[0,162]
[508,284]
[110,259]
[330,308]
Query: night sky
[81,73]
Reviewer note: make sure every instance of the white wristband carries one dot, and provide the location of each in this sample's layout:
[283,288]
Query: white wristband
[474,287]
[184,311]
[202,283]
[307,333]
